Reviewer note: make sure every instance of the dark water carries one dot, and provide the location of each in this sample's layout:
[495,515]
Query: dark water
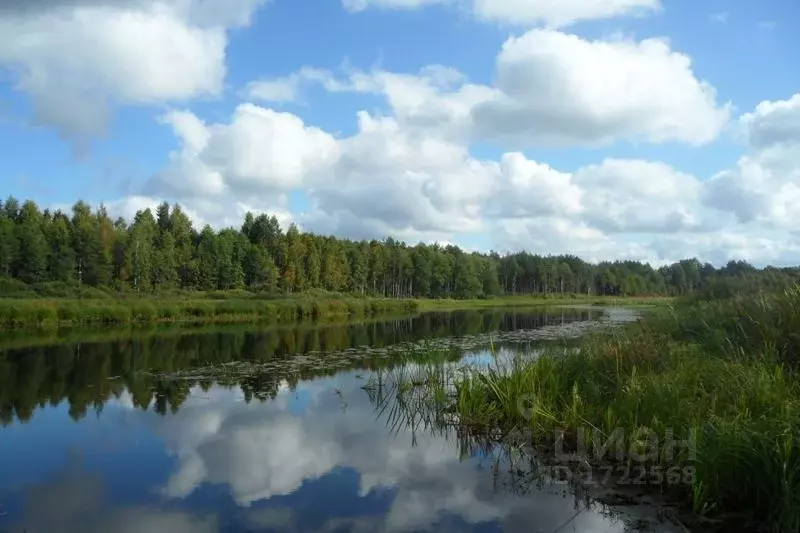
[270,429]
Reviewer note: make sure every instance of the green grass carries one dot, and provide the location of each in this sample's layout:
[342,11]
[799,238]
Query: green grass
[52,313]
[720,376]
[534,301]
[60,306]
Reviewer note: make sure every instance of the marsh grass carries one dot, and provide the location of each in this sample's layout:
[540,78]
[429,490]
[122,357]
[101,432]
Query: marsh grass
[54,313]
[553,299]
[719,376]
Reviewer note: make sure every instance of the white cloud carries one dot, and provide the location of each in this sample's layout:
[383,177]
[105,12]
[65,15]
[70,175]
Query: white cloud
[640,196]
[753,244]
[77,59]
[764,186]
[554,88]
[562,235]
[393,179]
[562,89]
[527,188]
[556,13]
[773,123]
[287,88]
[410,173]
[436,100]
[360,5]
[254,159]
[552,13]
[265,149]
[408,181]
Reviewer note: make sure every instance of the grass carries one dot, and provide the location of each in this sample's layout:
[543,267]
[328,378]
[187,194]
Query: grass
[52,313]
[719,376]
[51,305]
[538,300]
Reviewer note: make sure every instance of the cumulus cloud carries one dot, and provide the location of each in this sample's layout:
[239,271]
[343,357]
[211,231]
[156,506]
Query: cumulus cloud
[527,188]
[764,186]
[221,170]
[409,181]
[554,88]
[641,197]
[562,89]
[78,58]
[390,179]
[410,172]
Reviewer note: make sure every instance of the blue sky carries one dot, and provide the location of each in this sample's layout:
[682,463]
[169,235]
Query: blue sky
[619,135]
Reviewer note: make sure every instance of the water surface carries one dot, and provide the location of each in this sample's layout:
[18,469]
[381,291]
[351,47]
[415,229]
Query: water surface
[263,429]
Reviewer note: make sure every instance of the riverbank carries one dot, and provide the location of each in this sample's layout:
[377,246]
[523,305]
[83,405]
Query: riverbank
[701,400]
[242,306]
[53,313]
[536,301]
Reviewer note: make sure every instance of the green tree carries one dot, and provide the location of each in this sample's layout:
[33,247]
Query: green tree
[9,245]
[61,263]
[231,249]
[293,258]
[422,261]
[335,268]
[313,263]
[465,277]
[207,267]
[32,257]
[184,241]
[103,269]
[140,253]
[489,278]
[259,269]
[165,266]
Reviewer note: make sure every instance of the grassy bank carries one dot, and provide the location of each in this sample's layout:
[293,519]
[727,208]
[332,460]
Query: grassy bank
[51,313]
[719,375]
[96,307]
[534,301]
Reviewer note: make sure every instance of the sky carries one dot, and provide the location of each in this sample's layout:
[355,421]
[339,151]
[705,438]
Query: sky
[651,130]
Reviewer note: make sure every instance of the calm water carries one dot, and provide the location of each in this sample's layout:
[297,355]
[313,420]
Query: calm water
[270,429]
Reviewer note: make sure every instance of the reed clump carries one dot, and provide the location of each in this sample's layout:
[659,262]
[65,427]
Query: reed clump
[57,312]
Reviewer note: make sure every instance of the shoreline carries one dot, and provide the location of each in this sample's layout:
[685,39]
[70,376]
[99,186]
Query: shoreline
[51,313]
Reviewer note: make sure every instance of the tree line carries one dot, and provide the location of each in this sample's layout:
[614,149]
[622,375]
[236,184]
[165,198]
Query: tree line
[163,251]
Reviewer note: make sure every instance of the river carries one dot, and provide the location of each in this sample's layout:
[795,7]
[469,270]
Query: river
[253,429]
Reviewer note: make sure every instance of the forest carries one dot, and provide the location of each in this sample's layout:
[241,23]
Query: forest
[50,253]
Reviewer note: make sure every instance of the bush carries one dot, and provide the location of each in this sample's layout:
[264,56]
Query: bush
[56,289]
[14,287]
